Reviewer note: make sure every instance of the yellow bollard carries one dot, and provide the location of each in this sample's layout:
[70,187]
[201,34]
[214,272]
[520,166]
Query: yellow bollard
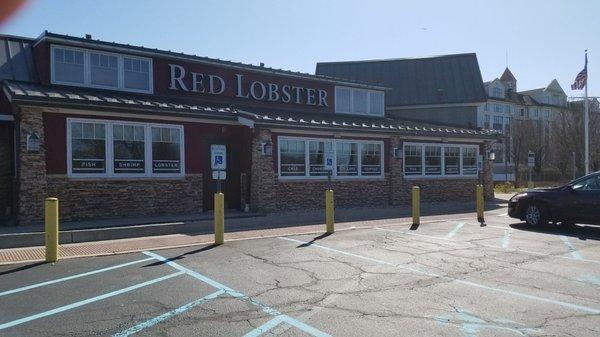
[480,203]
[219,218]
[51,227]
[329,211]
[416,205]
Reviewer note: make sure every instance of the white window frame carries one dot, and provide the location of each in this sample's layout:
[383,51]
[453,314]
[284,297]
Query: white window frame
[443,154]
[109,150]
[352,111]
[87,70]
[334,142]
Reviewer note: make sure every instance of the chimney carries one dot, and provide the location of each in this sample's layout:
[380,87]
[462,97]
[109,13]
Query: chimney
[262,64]
[88,36]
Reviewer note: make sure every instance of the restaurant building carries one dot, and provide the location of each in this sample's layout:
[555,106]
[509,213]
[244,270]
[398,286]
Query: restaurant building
[115,130]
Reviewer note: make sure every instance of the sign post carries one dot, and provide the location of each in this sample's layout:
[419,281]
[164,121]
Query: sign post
[329,214]
[218,163]
[530,165]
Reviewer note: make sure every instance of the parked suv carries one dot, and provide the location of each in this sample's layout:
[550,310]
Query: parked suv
[575,202]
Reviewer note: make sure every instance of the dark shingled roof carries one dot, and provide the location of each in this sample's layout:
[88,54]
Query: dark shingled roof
[417,81]
[28,93]
[16,59]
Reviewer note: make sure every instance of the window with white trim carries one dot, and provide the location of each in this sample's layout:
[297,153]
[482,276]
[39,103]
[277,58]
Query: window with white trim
[128,148]
[305,158]
[317,151]
[438,160]
[68,66]
[292,157]
[347,159]
[433,160]
[451,160]
[91,68]
[104,70]
[359,101]
[88,147]
[166,150]
[98,148]
[469,160]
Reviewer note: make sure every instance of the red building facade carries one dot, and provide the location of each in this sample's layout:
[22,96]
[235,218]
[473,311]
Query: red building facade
[121,131]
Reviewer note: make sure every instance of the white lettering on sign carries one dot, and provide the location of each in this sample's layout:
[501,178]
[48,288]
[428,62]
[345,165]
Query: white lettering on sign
[256,90]
[218,157]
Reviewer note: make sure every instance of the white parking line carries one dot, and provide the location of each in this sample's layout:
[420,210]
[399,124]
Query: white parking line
[486,245]
[455,230]
[506,238]
[573,306]
[41,284]
[574,253]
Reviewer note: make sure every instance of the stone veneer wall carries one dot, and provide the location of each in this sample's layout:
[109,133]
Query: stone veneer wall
[31,168]
[102,198]
[95,198]
[269,194]
[5,169]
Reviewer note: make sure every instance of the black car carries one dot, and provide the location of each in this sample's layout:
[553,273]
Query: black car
[575,202]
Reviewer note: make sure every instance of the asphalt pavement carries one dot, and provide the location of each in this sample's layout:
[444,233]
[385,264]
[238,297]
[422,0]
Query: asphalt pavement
[447,278]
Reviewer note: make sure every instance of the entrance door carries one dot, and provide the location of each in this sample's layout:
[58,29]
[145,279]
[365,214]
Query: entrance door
[231,185]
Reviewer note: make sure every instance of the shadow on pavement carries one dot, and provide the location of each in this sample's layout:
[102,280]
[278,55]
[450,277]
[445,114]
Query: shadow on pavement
[316,238]
[582,232]
[181,256]
[25,267]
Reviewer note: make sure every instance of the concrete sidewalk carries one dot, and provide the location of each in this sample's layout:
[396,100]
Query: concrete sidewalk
[121,246]
[113,229]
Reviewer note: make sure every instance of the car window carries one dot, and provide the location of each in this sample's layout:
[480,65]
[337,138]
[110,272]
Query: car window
[592,183]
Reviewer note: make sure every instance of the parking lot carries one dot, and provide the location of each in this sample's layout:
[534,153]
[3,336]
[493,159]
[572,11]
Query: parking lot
[448,278]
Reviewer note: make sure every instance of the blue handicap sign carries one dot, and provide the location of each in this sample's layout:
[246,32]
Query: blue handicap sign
[218,160]
[329,162]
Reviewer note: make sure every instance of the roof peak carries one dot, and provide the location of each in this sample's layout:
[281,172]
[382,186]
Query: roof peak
[507,76]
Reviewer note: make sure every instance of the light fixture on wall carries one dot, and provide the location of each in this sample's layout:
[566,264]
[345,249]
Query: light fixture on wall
[33,142]
[267,148]
[491,155]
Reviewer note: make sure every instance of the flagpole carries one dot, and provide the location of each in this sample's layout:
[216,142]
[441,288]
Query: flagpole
[587,122]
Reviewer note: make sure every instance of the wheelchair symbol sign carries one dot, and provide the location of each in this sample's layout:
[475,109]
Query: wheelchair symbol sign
[218,155]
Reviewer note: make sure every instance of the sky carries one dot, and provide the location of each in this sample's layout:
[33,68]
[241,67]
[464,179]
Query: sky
[541,40]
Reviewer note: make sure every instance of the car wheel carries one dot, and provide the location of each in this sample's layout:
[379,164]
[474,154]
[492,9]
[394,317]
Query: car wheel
[535,215]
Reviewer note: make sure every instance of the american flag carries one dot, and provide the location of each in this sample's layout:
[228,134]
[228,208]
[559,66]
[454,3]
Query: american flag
[581,79]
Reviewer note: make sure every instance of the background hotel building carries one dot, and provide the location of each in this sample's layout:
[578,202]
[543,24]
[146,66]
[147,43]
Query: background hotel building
[116,130]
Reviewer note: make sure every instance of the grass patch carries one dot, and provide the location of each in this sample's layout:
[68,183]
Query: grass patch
[507,188]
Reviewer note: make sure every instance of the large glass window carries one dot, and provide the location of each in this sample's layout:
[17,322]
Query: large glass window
[413,160]
[293,158]
[452,160]
[68,66]
[347,159]
[116,148]
[305,157]
[359,101]
[128,148]
[433,160]
[89,68]
[316,155]
[88,148]
[104,70]
[136,73]
[469,161]
[370,164]
[166,156]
